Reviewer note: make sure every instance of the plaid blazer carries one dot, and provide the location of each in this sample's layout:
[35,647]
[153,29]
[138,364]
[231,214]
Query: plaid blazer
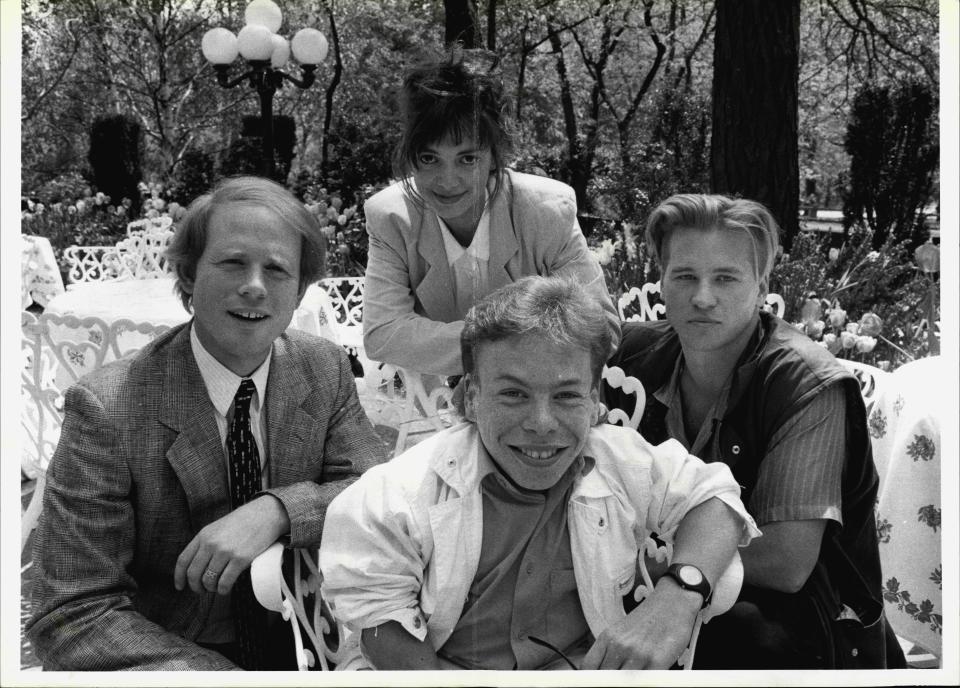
[139,470]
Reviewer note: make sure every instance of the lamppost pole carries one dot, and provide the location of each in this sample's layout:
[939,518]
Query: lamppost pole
[265,53]
[266,90]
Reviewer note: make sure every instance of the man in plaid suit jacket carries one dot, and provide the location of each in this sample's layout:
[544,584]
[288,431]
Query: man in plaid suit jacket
[138,546]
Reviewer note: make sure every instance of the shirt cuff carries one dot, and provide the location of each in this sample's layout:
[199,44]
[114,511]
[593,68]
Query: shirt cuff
[411,618]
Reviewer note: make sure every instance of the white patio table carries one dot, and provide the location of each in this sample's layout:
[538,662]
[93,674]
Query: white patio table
[39,273]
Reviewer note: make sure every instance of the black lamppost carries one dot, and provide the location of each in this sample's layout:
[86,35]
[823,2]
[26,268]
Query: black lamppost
[265,53]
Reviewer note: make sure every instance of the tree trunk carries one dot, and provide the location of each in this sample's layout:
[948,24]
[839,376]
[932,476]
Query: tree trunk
[461,23]
[330,91]
[755,74]
[491,25]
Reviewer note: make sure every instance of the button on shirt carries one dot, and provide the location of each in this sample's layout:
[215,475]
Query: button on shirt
[801,471]
[222,385]
[524,583]
[468,265]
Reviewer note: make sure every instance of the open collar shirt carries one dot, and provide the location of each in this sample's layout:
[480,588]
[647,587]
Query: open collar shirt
[222,385]
[469,265]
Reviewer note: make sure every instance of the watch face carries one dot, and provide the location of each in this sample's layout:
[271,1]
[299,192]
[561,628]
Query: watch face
[690,575]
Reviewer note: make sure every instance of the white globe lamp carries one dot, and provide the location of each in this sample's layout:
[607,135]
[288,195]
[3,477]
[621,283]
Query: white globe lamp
[281,51]
[309,47]
[219,46]
[255,42]
[265,13]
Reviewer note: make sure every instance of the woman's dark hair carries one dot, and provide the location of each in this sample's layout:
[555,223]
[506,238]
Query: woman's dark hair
[459,96]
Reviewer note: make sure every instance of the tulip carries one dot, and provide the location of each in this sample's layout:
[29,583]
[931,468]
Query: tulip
[336,202]
[342,220]
[81,206]
[870,324]
[928,257]
[814,328]
[852,328]
[831,342]
[837,317]
[848,340]
[811,309]
[866,344]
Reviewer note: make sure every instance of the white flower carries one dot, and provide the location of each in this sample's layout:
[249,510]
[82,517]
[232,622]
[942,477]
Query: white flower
[865,344]
[604,252]
[834,254]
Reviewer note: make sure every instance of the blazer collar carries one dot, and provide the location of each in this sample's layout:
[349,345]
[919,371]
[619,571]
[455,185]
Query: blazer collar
[196,454]
[437,284]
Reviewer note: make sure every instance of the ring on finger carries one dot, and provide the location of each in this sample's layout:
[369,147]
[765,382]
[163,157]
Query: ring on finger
[211,574]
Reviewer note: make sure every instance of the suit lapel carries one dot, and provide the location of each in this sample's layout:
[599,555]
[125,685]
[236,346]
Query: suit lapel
[196,455]
[503,238]
[289,426]
[435,288]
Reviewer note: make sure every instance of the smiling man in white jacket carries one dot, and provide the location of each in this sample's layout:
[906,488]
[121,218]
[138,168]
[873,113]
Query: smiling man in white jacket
[513,539]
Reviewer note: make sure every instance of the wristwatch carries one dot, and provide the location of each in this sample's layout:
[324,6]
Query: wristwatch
[689,577]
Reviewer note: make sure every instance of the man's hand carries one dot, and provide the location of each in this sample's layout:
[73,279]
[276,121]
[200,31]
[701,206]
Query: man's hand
[220,552]
[652,636]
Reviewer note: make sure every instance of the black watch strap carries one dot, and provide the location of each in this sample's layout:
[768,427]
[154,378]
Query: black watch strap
[689,577]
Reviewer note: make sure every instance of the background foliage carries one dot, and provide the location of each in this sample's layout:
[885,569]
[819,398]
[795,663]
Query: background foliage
[612,96]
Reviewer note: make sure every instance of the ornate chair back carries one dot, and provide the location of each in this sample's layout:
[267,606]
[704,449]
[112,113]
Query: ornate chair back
[57,350]
[644,303]
[614,377]
[138,256]
[871,380]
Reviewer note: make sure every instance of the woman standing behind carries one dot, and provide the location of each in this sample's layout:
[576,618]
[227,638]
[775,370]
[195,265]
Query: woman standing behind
[460,224]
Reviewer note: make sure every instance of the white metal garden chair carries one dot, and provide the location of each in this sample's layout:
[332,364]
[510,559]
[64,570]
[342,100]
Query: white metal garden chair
[57,350]
[138,256]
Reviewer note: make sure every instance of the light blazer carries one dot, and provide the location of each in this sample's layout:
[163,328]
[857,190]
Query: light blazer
[140,469]
[408,312]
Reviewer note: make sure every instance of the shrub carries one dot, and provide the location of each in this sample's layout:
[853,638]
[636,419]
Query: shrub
[194,176]
[893,158]
[115,157]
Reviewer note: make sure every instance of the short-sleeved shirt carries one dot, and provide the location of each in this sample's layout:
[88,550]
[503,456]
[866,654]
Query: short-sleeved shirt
[524,583]
[800,475]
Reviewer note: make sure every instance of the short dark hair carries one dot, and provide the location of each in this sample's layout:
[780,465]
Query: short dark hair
[190,237]
[707,212]
[460,96]
[557,309]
